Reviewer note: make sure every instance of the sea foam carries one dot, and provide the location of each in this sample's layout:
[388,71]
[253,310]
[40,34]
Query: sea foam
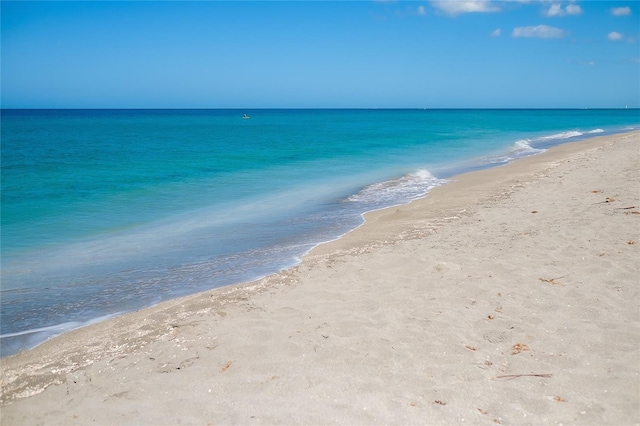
[563,135]
[397,191]
[523,148]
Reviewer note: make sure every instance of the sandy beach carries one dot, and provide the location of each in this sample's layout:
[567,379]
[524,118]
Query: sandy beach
[508,296]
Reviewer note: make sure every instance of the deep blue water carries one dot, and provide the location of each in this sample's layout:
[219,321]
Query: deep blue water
[107,211]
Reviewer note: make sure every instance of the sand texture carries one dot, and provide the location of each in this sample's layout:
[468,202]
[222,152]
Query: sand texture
[510,296]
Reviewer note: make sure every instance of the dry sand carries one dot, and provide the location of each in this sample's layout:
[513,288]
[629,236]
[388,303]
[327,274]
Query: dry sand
[510,296]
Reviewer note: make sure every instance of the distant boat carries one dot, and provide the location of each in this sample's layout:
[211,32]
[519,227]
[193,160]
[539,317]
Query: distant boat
[245,116]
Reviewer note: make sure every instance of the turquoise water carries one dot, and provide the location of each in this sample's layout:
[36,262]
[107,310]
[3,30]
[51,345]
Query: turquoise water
[107,211]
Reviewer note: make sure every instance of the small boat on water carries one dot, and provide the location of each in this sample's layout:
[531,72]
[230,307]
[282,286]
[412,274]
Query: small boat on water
[245,116]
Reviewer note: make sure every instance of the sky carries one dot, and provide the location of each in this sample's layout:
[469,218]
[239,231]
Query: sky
[320,54]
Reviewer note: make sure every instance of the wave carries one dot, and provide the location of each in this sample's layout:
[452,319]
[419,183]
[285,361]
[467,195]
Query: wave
[397,191]
[28,339]
[535,145]
[563,135]
[53,329]
[523,147]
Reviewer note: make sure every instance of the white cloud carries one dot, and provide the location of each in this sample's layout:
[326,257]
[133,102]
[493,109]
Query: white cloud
[554,10]
[557,10]
[573,9]
[465,6]
[538,31]
[614,36]
[621,11]
[496,33]
[422,10]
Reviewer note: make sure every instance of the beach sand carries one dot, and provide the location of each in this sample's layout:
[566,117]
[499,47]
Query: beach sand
[509,296]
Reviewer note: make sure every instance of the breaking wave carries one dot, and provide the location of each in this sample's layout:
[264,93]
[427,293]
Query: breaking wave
[397,191]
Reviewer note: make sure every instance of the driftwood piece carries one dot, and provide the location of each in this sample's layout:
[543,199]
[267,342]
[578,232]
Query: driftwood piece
[515,376]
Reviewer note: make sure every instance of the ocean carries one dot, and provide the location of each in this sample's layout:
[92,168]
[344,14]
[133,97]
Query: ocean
[109,211]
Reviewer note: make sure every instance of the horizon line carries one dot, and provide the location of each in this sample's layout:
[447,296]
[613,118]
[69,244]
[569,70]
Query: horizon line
[316,108]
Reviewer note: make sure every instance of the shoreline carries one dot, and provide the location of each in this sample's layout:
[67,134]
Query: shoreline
[477,164]
[66,327]
[167,326]
[467,181]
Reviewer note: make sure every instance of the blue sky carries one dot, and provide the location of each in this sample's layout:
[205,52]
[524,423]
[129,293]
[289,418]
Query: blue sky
[307,54]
